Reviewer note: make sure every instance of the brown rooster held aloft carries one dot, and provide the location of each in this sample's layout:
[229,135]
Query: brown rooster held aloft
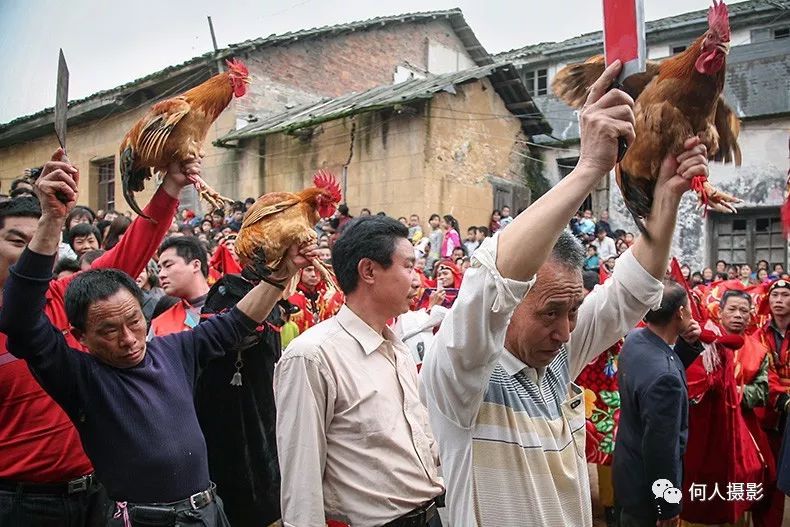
[675,99]
[174,130]
[278,220]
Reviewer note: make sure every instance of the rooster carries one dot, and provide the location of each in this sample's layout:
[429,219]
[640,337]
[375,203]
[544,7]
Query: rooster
[175,129]
[675,99]
[278,220]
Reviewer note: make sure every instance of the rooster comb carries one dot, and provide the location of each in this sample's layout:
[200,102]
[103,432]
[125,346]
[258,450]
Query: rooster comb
[237,67]
[324,179]
[719,18]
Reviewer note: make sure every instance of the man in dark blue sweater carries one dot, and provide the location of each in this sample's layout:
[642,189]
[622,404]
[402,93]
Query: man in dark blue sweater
[131,402]
[653,430]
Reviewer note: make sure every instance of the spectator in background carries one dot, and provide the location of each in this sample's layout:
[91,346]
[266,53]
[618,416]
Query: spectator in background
[482,234]
[586,226]
[116,231]
[237,217]
[66,267]
[403,221]
[506,218]
[415,229]
[609,263]
[745,275]
[603,223]
[721,277]
[435,238]
[696,279]
[592,262]
[761,264]
[87,259]
[22,183]
[778,271]
[458,252]
[450,239]
[365,212]
[248,203]
[604,244]
[343,217]
[707,276]
[471,243]
[620,246]
[206,226]
[495,225]
[762,276]
[629,238]
[721,266]
[685,270]
[148,281]
[77,215]
[83,237]
[217,219]
[733,272]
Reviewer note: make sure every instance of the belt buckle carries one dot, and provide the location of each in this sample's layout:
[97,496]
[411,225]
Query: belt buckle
[78,485]
[193,500]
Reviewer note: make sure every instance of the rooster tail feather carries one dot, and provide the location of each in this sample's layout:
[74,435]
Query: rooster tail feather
[638,200]
[132,180]
[572,83]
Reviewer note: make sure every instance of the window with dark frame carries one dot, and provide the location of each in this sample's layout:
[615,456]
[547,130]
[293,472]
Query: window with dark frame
[105,169]
[754,235]
[781,32]
[677,49]
[537,81]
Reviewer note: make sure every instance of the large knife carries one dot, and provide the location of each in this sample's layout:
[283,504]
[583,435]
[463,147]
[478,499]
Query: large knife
[61,108]
[624,40]
[62,101]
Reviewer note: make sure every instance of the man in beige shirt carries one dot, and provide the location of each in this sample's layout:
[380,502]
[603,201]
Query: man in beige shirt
[353,439]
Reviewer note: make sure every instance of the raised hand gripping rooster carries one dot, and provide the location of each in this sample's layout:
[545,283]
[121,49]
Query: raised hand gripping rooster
[675,99]
[278,220]
[174,130]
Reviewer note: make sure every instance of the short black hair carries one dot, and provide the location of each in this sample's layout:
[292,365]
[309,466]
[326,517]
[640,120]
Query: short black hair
[249,200]
[78,212]
[472,228]
[95,285]
[343,209]
[91,256]
[721,262]
[673,298]
[82,229]
[21,193]
[26,207]
[66,264]
[434,216]
[734,293]
[371,237]
[20,181]
[484,230]
[590,279]
[189,248]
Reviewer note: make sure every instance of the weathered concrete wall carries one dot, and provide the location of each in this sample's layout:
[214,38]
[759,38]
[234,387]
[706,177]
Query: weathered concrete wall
[334,65]
[436,159]
[759,181]
[100,140]
[466,147]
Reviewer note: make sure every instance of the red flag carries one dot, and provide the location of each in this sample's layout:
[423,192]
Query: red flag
[224,262]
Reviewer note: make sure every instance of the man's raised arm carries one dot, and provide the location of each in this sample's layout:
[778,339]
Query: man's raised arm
[457,367]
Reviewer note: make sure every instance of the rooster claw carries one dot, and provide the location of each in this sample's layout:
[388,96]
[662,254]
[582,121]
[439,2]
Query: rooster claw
[257,269]
[717,200]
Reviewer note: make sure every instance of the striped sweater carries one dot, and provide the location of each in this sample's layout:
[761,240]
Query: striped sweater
[511,438]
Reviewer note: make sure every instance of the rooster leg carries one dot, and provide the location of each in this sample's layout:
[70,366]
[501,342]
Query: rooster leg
[716,199]
[212,197]
[327,275]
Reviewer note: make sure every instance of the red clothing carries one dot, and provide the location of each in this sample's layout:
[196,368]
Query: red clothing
[778,371]
[174,320]
[38,443]
[717,430]
[315,307]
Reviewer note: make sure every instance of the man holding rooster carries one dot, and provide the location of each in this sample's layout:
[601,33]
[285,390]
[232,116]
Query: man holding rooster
[130,401]
[509,421]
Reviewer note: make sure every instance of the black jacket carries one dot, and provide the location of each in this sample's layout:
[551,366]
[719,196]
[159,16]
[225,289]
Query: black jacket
[653,428]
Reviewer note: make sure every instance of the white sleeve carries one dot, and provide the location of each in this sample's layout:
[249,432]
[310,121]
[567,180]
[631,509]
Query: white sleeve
[458,365]
[611,310]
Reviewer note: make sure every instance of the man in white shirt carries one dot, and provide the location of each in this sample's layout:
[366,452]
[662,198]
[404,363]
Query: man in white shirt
[604,244]
[501,401]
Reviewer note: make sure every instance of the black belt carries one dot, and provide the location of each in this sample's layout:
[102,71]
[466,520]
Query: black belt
[419,517]
[195,501]
[74,486]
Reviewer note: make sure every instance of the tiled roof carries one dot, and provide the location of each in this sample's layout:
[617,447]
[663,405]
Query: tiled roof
[503,77]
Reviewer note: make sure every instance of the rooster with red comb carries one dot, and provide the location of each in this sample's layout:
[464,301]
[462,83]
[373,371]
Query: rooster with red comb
[676,99]
[279,220]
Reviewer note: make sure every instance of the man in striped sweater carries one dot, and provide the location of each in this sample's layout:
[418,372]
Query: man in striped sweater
[497,381]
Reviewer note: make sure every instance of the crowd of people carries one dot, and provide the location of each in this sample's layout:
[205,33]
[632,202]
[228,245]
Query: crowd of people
[146,380]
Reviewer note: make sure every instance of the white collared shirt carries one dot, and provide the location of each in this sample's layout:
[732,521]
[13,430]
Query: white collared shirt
[353,438]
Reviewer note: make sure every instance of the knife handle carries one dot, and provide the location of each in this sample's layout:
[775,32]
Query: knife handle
[62,197]
[622,144]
